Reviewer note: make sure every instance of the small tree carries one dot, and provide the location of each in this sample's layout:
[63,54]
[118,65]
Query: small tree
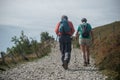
[45,36]
[21,44]
[35,47]
[25,43]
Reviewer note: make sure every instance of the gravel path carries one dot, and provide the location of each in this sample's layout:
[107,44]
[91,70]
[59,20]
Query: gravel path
[49,68]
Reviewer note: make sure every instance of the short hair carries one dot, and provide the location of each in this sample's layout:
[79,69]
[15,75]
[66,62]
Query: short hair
[64,17]
[84,20]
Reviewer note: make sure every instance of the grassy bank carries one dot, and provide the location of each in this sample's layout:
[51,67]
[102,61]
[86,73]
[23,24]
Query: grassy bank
[9,63]
[106,49]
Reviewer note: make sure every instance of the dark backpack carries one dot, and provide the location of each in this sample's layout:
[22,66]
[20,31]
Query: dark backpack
[85,31]
[64,27]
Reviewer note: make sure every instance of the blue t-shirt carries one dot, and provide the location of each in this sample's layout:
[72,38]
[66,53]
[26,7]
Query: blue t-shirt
[79,30]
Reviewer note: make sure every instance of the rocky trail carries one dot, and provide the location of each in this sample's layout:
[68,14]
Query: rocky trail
[49,68]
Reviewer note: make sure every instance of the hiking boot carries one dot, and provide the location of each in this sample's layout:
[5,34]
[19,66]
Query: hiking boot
[65,65]
[85,64]
[88,62]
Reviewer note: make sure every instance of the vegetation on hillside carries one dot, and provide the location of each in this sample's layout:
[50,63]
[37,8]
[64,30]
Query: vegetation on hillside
[25,49]
[106,49]
[45,36]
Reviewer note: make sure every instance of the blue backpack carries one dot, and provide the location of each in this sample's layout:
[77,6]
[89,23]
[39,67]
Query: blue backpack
[64,27]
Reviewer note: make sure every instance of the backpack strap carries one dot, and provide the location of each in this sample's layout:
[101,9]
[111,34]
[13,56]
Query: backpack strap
[63,28]
[82,26]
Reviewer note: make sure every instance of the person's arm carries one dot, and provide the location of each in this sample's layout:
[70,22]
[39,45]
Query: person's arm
[57,28]
[77,33]
[72,28]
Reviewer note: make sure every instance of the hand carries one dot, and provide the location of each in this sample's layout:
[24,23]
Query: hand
[76,37]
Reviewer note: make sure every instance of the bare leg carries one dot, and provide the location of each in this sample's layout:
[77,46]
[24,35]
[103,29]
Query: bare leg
[83,52]
[87,54]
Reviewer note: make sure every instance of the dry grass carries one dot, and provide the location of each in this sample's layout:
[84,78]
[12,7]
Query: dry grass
[18,59]
[106,49]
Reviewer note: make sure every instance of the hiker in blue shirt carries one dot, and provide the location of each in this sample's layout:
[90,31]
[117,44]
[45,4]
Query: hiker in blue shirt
[85,34]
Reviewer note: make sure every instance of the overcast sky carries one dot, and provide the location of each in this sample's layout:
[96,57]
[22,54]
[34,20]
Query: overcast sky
[46,13]
[42,15]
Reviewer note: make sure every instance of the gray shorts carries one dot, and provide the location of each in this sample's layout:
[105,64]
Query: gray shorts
[85,42]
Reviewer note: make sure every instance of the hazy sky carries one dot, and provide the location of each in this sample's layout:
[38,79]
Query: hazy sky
[43,15]
[46,13]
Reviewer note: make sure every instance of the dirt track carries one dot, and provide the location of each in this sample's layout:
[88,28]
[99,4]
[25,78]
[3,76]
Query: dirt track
[49,68]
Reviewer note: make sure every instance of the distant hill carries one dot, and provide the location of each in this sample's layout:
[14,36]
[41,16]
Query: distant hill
[106,49]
